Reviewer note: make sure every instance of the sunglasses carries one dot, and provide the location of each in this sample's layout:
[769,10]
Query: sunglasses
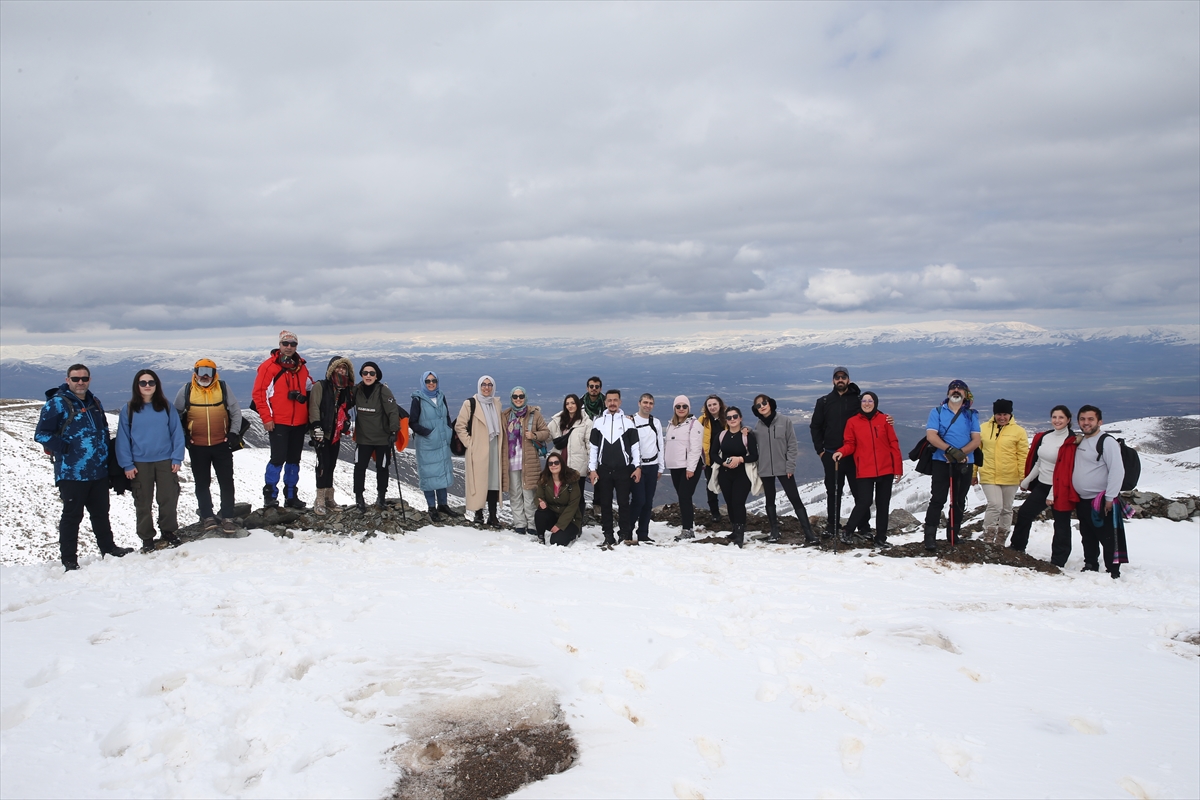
[682,405]
[84,379]
[764,404]
[147,383]
[553,463]
[368,373]
[733,416]
[288,344]
[518,397]
[593,386]
[431,380]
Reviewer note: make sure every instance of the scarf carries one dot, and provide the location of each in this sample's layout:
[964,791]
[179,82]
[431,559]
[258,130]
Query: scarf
[594,408]
[488,404]
[516,436]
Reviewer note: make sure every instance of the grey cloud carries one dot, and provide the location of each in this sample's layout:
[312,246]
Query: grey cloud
[204,166]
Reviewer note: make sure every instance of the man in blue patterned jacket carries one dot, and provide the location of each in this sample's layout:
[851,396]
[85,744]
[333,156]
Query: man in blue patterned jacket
[74,430]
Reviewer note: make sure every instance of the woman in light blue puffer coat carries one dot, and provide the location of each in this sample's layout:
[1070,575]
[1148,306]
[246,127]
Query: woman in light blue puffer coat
[429,419]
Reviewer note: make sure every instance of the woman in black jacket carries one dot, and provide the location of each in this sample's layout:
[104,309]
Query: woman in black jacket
[732,449]
[376,423]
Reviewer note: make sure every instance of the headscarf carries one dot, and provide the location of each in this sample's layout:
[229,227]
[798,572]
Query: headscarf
[956,384]
[432,395]
[488,404]
[524,403]
[874,410]
[516,424]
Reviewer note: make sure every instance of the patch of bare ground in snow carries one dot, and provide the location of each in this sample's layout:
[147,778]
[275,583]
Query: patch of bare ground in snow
[970,551]
[483,748]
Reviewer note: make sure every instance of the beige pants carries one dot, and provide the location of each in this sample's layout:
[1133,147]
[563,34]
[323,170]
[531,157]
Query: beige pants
[999,505]
[521,502]
[155,477]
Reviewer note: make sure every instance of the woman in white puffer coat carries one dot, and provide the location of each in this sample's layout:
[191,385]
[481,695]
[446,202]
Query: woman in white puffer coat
[569,432]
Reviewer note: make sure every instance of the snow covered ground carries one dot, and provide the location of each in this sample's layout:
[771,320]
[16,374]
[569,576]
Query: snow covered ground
[269,667]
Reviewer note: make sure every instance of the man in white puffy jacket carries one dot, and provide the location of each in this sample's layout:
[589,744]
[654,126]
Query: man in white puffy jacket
[650,442]
[614,465]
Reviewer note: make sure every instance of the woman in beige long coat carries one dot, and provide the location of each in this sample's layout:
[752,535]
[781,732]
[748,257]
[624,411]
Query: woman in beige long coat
[524,427]
[487,475]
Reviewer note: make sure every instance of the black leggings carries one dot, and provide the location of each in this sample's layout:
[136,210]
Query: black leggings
[327,457]
[788,483]
[685,488]
[864,488]
[1035,504]
[735,485]
[714,504]
[383,460]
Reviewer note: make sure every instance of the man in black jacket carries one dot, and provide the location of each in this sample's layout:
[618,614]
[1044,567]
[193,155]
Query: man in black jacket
[828,427]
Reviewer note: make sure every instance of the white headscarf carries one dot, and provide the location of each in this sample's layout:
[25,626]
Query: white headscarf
[488,404]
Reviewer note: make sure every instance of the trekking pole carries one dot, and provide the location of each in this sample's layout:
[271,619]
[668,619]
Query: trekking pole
[837,501]
[399,491]
[950,517]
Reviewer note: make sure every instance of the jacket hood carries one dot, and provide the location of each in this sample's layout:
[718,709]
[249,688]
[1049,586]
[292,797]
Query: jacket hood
[206,362]
[340,361]
[65,391]
[771,403]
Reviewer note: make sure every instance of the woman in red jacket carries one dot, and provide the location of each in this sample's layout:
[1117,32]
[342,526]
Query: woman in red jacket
[877,463]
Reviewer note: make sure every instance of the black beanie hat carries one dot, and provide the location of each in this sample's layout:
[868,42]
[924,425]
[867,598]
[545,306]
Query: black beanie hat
[378,371]
[1002,406]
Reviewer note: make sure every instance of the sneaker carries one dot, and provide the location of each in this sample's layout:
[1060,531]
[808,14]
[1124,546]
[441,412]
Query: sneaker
[229,527]
[70,566]
[211,524]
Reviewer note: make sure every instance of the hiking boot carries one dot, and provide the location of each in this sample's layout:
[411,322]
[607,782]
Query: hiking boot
[478,519]
[881,542]
[319,503]
[1090,568]
[492,522]
[210,524]
[148,546]
[295,502]
[381,502]
[360,502]
[330,503]
[739,535]
[685,534]
[116,552]
[434,516]
[229,527]
[521,531]
[269,498]
[70,566]
[773,534]
[172,540]
[447,510]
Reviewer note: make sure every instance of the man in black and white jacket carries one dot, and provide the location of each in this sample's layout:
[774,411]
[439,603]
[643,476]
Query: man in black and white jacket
[650,439]
[614,464]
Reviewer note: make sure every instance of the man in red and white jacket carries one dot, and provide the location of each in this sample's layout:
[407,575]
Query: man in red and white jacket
[280,397]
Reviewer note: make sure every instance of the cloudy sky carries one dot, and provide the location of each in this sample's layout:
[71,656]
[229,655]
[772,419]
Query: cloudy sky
[230,168]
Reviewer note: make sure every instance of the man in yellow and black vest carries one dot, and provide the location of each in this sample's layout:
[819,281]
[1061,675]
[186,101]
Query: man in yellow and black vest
[210,413]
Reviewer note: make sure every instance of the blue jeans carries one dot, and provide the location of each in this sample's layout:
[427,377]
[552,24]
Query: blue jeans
[643,501]
[435,497]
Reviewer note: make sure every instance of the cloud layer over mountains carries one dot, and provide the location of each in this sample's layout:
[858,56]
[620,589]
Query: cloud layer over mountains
[406,166]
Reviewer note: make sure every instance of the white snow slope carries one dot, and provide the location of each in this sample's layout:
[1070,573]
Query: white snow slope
[269,667]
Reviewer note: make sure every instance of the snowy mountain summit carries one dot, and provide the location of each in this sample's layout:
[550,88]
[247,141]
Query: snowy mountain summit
[338,666]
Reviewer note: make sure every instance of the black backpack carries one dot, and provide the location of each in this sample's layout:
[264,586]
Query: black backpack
[1129,457]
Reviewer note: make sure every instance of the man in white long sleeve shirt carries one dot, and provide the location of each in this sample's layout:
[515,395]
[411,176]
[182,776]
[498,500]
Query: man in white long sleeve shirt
[1098,470]
[614,462]
[650,442]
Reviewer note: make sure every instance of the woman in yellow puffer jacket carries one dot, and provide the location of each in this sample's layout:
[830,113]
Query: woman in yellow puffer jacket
[1005,445]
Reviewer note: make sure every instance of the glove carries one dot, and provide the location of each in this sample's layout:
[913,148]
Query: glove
[955,455]
[318,434]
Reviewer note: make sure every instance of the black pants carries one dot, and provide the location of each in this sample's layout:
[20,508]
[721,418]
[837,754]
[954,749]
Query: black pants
[643,500]
[714,504]
[287,445]
[735,485]
[685,489]
[77,496]
[788,482]
[383,462]
[835,480]
[943,471]
[878,489]
[327,458]
[544,519]
[1035,504]
[1095,538]
[612,480]
[206,460]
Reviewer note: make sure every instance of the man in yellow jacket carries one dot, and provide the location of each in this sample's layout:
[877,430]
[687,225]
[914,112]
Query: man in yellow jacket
[1005,445]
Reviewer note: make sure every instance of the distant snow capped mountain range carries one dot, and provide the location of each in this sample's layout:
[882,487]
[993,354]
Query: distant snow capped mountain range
[946,333]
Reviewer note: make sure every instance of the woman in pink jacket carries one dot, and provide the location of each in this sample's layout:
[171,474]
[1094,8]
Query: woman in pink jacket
[683,454]
[877,464]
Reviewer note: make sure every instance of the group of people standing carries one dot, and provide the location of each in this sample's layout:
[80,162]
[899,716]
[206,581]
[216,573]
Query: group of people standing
[543,464]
